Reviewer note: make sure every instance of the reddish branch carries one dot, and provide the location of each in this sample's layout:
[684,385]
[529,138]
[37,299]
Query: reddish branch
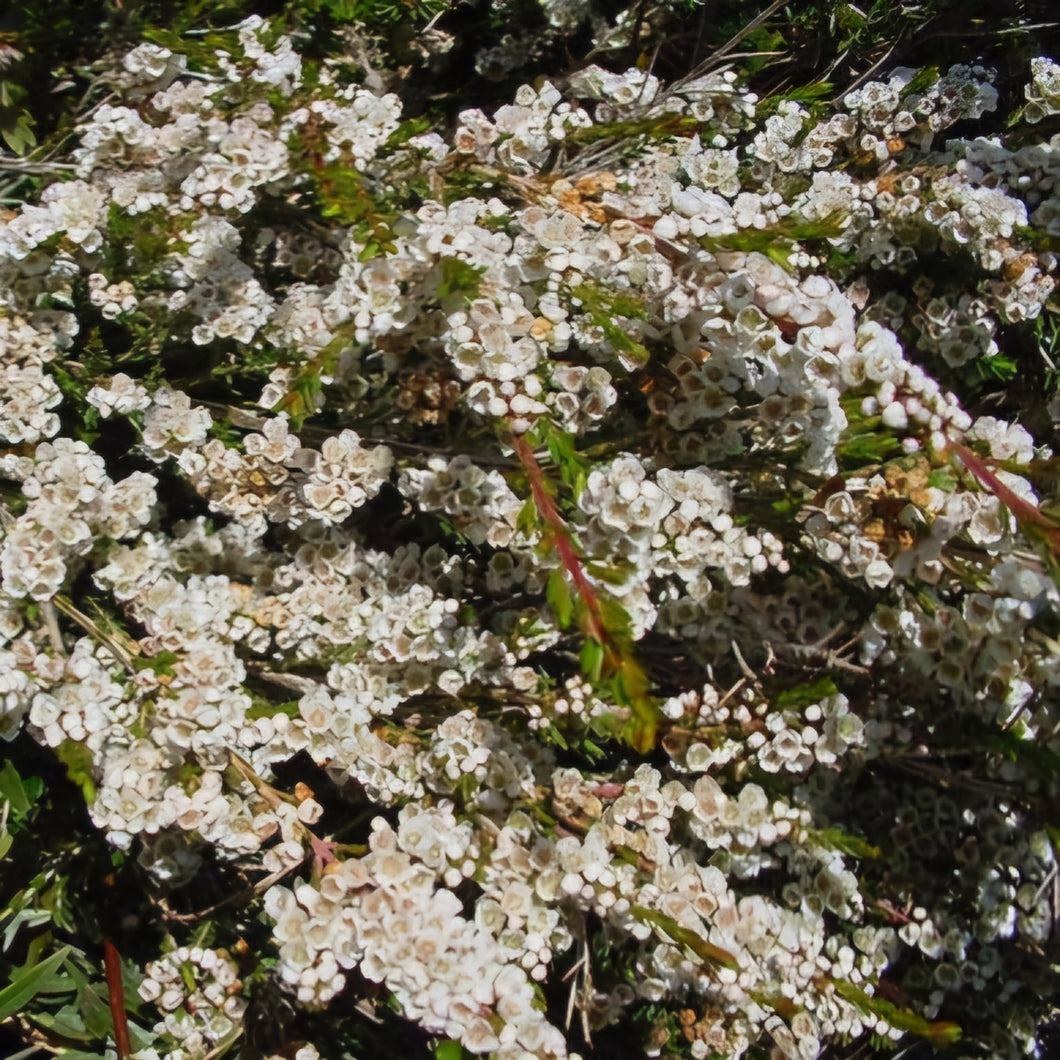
[1025,513]
[618,657]
[561,538]
[116,997]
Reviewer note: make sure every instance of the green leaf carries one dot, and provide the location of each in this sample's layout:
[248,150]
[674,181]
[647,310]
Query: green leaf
[938,1034]
[23,918]
[264,709]
[406,130]
[17,131]
[459,277]
[161,664]
[997,368]
[868,447]
[616,573]
[94,1004]
[14,791]
[557,592]
[943,478]
[845,843]
[552,735]
[79,767]
[922,80]
[606,309]
[526,520]
[448,1051]
[706,951]
[22,990]
[803,695]
[591,750]
[592,659]
[66,1023]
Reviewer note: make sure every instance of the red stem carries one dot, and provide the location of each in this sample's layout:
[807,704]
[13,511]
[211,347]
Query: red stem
[640,731]
[1023,511]
[562,539]
[116,996]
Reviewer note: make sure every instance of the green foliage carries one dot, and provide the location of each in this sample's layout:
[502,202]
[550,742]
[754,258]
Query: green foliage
[806,95]
[16,122]
[779,241]
[605,310]
[763,41]
[343,196]
[845,843]
[31,979]
[56,987]
[942,478]
[922,80]
[634,134]
[264,709]
[376,13]
[407,129]
[450,1051]
[563,450]
[867,447]
[79,767]
[559,597]
[940,1034]
[19,795]
[459,277]
[160,664]
[301,400]
[803,695]
[706,951]
[997,368]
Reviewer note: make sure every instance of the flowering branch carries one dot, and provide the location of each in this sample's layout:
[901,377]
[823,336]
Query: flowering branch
[1032,520]
[617,659]
[323,850]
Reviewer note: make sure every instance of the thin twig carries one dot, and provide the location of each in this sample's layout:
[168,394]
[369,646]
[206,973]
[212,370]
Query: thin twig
[867,74]
[94,630]
[991,32]
[722,54]
[1045,883]
[947,778]
[732,691]
[51,624]
[24,1054]
[24,166]
[747,671]
[252,891]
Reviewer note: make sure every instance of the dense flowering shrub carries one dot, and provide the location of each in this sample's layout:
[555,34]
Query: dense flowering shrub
[598,494]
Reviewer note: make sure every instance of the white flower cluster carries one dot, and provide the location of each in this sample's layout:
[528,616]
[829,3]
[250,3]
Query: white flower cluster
[280,68]
[28,395]
[72,503]
[903,103]
[384,914]
[1043,93]
[521,134]
[480,503]
[201,1017]
[274,476]
[679,524]
[715,98]
[123,396]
